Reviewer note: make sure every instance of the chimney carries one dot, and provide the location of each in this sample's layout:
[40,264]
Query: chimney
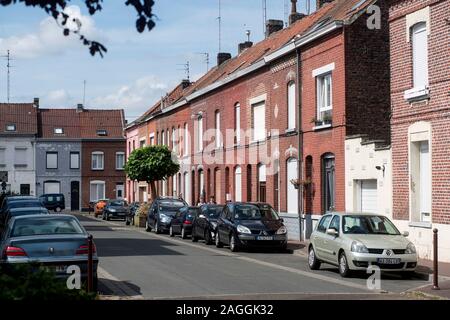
[222,57]
[321,3]
[244,45]
[36,103]
[295,16]
[273,26]
[80,108]
[185,83]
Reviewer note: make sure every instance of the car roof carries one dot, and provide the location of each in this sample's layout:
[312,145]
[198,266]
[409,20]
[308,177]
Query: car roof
[354,213]
[27,209]
[20,197]
[52,194]
[46,216]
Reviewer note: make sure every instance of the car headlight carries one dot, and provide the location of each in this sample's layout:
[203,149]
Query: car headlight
[282,230]
[242,229]
[410,248]
[214,225]
[112,210]
[359,247]
[164,218]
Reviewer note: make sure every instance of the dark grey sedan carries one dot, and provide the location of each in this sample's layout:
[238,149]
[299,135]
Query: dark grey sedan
[115,209]
[54,241]
[15,212]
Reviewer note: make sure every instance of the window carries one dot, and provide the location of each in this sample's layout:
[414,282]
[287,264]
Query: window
[335,223]
[238,184]
[291,105]
[152,141]
[97,190]
[10,127]
[120,160]
[328,179]
[102,132]
[324,97]
[58,131]
[186,139]
[420,54]
[237,123]
[259,121]
[174,142]
[292,192]
[218,132]
[323,224]
[74,160]
[142,143]
[261,183]
[97,160]
[52,160]
[20,157]
[163,138]
[200,133]
[2,157]
[52,187]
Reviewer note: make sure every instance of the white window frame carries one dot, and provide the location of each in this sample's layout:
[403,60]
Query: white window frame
[322,94]
[238,184]
[53,153]
[58,130]
[200,133]
[120,153]
[75,153]
[11,127]
[2,156]
[237,122]
[98,153]
[97,182]
[291,104]
[217,127]
[259,129]
[186,139]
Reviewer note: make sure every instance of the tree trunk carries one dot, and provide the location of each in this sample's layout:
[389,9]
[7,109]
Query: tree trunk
[153,193]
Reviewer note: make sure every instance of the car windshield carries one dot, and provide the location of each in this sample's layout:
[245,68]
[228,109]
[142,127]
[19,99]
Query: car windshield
[118,203]
[45,226]
[28,212]
[214,212]
[254,212]
[171,203]
[25,204]
[368,225]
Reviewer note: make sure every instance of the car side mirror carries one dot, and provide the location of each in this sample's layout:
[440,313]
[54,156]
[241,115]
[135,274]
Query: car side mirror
[405,233]
[281,220]
[332,232]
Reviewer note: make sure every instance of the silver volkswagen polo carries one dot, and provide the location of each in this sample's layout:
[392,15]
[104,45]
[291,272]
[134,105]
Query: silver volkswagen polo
[353,241]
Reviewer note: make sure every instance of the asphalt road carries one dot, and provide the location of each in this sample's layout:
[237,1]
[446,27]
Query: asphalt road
[145,265]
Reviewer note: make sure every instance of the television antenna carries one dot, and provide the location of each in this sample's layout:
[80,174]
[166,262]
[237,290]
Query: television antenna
[186,68]
[8,81]
[206,54]
[219,18]
[264,7]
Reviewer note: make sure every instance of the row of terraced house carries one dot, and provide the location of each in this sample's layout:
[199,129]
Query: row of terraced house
[77,152]
[344,109]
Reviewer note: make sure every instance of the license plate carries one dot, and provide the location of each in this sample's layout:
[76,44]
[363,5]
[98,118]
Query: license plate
[264,238]
[388,260]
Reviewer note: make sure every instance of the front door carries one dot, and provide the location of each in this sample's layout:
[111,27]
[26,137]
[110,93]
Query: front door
[120,191]
[75,195]
[25,189]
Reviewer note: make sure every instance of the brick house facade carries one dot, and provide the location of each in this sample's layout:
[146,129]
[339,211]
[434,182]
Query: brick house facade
[420,120]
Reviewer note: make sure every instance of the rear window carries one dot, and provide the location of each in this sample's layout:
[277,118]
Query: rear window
[171,203]
[48,226]
[25,204]
[214,212]
[119,203]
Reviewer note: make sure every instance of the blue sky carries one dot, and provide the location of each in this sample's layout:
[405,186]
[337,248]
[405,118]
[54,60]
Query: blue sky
[138,68]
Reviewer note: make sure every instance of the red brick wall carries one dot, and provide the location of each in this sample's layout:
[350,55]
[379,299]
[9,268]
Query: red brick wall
[110,175]
[436,111]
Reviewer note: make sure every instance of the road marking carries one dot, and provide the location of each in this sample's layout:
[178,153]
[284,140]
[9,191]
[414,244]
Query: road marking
[256,261]
[118,288]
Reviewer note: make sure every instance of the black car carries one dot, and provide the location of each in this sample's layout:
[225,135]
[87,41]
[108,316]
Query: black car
[8,199]
[205,224]
[53,201]
[132,209]
[244,225]
[115,209]
[182,222]
[161,213]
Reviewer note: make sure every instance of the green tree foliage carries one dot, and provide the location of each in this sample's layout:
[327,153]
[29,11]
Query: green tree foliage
[151,164]
[55,8]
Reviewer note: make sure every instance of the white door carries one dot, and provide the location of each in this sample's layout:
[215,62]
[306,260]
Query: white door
[292,193]
[51,187]
[425,182]
[120,191]
[238,184]
[368,196]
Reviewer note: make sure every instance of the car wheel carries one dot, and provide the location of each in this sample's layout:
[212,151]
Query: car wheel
[108,217]
[171,234]
[313,262]
[208,238]
[157,231]
[127,222]
[218,243]
[103,216]
[344,270]
[233,246]
[183,233]
[147,227]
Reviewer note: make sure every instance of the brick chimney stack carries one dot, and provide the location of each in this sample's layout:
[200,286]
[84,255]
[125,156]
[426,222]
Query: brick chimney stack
[295,16]
[36,103]
[222,57]
[321,3]
[80,108]
[273,26]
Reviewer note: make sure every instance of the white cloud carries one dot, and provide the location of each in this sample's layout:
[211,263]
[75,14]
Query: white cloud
[49,38]
[57,98]
[135,98]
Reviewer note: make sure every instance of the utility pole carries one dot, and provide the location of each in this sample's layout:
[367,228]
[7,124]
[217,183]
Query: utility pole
[264,5]
[220,26]
[8,79]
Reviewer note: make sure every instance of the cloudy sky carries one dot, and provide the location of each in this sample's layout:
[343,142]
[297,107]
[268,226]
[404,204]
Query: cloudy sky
[138,68]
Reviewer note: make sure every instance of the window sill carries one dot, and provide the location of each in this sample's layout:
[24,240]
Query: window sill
[322,127]
[20,165]
[97,169]
[417,94]
[416,224]
[290,131]
[256,142]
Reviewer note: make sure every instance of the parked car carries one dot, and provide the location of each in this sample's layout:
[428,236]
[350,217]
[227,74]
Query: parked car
[205,224]
[54,201]
[23,203]
[182,222]
[55,241]
[243,225]
[115,209]
[99,206]
[15,212]
[161,213]
[8,199]
[132,209]
[353,241]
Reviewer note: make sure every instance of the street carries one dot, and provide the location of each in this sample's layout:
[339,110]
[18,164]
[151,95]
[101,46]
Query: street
[151,266]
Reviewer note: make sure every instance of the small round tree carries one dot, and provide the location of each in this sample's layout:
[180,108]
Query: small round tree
[151,164]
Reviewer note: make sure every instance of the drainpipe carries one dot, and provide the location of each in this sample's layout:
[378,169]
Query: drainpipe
[300,143]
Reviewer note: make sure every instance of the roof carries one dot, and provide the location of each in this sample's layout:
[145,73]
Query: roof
[81,125]
[22,115]
[342,11]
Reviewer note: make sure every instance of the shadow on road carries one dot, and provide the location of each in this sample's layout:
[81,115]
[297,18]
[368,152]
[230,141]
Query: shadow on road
[118,288]
[123,247]
[98,228]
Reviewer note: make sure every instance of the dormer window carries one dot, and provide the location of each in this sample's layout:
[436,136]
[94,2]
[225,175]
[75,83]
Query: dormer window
[58,131]
[102,132]
[10,127]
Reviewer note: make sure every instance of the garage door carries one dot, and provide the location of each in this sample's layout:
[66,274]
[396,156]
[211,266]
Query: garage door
[51,187]
[369,196]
